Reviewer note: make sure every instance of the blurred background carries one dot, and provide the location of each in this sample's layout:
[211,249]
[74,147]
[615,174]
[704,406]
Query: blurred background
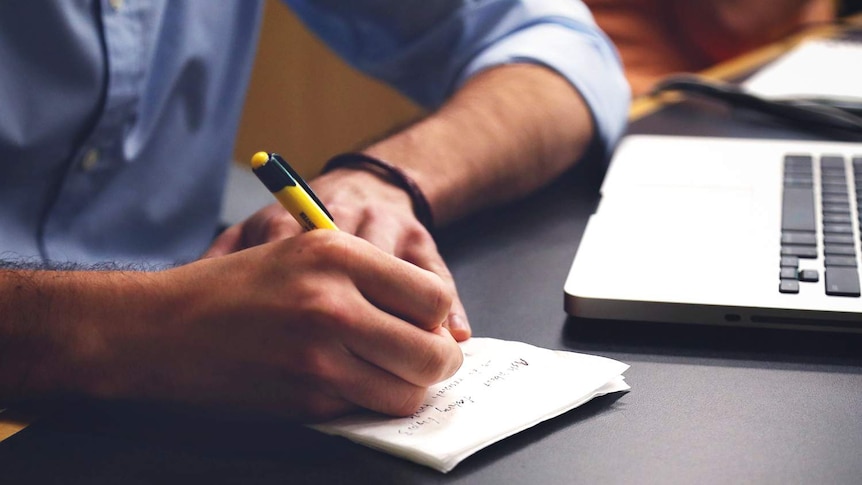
[308,105]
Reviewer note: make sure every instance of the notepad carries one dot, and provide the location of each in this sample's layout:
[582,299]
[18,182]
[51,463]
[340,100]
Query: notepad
[502,388]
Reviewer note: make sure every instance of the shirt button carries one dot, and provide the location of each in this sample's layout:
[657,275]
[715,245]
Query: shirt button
[116,4]
[91,158]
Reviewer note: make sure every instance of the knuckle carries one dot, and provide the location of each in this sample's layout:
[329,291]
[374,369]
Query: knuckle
[326,311]
[266,227]
[371,214]
[438,364]
[416,236]
[278,228]
[339,210]
[330,247]
[314,365]
[345,216]
[442,302]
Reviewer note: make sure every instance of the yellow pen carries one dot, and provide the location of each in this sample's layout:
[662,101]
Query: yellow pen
[293,193]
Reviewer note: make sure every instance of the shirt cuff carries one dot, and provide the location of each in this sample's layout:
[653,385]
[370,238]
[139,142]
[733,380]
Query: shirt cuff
[586,58]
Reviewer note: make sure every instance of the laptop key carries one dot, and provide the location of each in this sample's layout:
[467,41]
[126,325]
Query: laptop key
[799,238]
[809,275]
[790,262]
[848,261]
[834,162]
[831,179]
[797,181]
[807,252]
[842,281]
[833,188]
[788,286]
[839,250]
[837,229]
[837,218]
[838,239]
[797,212]
[836,209]
[836,198]
[798,160]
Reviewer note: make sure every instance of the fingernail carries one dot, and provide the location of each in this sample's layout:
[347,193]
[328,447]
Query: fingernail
[458,322]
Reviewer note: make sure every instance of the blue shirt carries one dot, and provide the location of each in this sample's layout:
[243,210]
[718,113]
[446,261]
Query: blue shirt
[117,117]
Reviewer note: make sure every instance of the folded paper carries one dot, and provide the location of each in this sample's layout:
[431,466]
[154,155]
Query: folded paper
[503,387]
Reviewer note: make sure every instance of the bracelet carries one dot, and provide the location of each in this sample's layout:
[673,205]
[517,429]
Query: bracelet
[393,174]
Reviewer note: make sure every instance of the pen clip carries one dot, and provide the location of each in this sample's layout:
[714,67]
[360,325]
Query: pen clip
[299,180]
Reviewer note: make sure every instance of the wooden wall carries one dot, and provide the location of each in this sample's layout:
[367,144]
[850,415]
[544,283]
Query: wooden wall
[308,105]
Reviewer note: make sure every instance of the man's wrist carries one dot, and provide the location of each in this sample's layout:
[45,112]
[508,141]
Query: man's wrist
[392,174]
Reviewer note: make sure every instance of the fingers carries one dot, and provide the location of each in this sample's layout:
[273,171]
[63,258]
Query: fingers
[354,383]
[456,321]
[227,242]
[271,223]
[333,323]
[385,218]
[337,382]
[369,386]
[417,356]
[402,289]
[421,251]
[412,243]
[389,318]
[386,365]
[381,230]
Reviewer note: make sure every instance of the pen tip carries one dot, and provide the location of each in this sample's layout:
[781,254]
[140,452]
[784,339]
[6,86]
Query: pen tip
[259,159]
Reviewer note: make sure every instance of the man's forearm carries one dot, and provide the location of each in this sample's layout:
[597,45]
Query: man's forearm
[50,321]
[25,339]
[505,133]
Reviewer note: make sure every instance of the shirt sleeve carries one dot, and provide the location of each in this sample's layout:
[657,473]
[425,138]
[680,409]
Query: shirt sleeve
[426,49]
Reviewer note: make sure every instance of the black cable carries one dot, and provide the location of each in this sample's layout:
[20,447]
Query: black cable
[812,114]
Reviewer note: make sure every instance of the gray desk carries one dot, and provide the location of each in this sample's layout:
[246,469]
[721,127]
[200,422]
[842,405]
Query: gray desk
[707,405]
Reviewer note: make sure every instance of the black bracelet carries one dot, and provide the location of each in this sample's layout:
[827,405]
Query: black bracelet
[393,174]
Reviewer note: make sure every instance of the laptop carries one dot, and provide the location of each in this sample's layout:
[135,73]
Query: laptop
[724,231]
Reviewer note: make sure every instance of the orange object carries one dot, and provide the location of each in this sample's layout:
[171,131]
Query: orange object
[657,38]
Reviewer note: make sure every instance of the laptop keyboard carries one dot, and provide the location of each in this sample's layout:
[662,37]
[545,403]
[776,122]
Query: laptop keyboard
[840,198]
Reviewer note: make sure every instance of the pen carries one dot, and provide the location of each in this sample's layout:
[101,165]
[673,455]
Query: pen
[293,193]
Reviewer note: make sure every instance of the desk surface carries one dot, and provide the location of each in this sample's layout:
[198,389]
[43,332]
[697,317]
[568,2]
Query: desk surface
[707,404]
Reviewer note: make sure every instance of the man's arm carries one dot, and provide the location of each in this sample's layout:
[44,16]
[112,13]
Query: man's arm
[307,328]
[527,85]
[506,132]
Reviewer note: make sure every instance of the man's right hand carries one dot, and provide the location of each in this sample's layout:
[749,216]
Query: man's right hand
[309,328]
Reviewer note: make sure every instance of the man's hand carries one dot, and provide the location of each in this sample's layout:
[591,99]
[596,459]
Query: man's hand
[506,132]
[310,327]
[367,206]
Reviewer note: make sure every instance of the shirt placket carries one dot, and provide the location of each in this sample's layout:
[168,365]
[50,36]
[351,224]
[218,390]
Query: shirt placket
[102,151]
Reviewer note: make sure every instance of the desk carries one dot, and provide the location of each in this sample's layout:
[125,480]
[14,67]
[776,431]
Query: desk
[707,405]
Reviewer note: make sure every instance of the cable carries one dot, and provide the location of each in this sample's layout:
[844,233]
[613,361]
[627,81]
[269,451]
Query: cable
[810,114]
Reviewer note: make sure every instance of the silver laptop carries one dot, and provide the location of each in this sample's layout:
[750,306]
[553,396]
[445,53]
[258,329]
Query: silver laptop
[724,231]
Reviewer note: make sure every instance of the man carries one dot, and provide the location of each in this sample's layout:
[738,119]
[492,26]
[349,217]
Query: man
[118,117]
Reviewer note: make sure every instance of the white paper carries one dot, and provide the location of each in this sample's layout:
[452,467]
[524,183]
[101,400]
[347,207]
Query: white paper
[503,387]
[815,69]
